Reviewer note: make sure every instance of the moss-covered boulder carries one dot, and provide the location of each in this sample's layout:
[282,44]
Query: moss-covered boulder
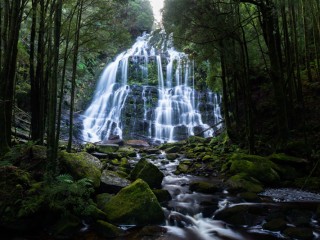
[107,148]
[112,182]
[282,158]
[196,139]
[174,149]
[106,229]
[82,165]
[275,225]
[172,156]
[135,204]
[162,195]
[203,187]
[243,183]
[148,172]
[254,166]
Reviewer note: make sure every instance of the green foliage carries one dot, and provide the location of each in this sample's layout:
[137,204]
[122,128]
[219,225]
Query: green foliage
[17,152]
[63,195]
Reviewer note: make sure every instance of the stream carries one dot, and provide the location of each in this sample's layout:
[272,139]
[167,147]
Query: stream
[191,215]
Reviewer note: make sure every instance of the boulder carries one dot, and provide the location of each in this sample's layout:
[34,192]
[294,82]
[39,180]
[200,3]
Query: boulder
[137,143]
[82,165]
[111,182]
[107,148]
[275,225]
[243,183]
[134,205]
[172,156]
[203,187]
[281,158]
[174,149]
[162,195]
[148,172]
[107,229]
[254,166]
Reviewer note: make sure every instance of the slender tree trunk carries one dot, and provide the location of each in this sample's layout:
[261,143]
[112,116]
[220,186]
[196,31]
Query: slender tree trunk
[74,73]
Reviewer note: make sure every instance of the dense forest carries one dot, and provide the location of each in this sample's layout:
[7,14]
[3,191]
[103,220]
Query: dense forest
[261,56]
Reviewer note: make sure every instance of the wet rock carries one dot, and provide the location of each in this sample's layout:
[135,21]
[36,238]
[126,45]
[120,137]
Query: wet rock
[82,165]
[182,168]
[250,197]
[135,204]
[299,233]
[137,143]
[148,172]
[172,156]
[241,183]
[89,147]
[100,155]
[237,215]
[282,158]
[174,149]
[162,195]
[107,229]
[203,187]
[152,151]
[107,148]
[254,166]
[118,142]
[102,199]
[111,182]
[299,218]
[127,152]
[275,225]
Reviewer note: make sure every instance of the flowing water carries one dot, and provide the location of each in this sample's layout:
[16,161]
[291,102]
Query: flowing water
[170,114]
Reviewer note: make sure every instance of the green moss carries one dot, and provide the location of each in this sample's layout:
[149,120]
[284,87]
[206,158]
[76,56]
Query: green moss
[135,204]
[242,183]
[275,225]
[162,195]
[172,156]
[196,139]
[285,159]
[148,172]
[107,229]
[82,165]
[255,166]
[107,148]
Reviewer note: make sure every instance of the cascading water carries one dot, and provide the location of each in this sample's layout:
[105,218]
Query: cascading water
[165,111]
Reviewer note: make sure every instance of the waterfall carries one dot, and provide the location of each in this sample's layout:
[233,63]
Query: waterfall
[168,111]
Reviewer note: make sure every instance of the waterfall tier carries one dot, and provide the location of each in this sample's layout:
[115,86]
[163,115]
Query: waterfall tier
[148,93]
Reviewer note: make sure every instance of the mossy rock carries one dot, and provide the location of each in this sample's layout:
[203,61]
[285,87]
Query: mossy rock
[106,229]
[200,149]
[172,156]
[162,195]
[111,182]
[66,227]
[196,139]
[208,158]
[236,215]
[250,197]
[174,149]
[275,225]
[127,151]
[147,172]
[102,199]
[82,165]
[190,155]
[107,148]
[134,205]
[90,147]
[299,233]
[282,158]
[203,187]
[243,183]
[255,166]
[183,168]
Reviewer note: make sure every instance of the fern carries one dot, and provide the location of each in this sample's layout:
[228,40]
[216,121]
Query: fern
[64,195]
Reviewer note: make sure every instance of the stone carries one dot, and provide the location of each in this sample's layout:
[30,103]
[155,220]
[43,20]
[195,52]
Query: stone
[174,149]
[107,148]
[275,225]
[100,155]
[283,158]
[172,156]
[102,199]
[111,182]
[137,143]
[82,165]
[152,151]
[162,195]
[182,168]
[134,205]
[148,172]
[196,139]
[107,229]
[241,183]
[254,166]
[203,187]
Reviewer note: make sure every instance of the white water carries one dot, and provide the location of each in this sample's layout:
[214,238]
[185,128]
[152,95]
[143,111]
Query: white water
[177,110]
